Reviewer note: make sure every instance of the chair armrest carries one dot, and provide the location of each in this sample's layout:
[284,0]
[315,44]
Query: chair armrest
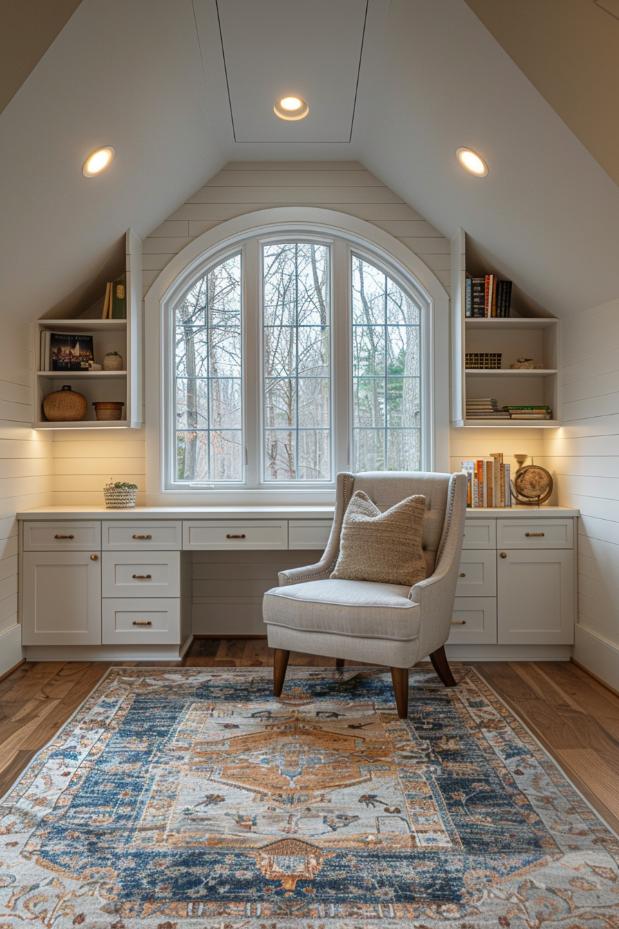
[435,594]
[313,572]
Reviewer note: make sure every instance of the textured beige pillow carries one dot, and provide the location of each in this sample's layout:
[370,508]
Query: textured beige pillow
[383,547]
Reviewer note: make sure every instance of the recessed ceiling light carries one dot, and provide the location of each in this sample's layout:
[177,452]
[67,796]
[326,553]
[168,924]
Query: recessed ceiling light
[472,162]
[98,161]
[291,108]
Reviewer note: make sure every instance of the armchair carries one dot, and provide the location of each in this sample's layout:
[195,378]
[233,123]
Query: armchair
[385,624]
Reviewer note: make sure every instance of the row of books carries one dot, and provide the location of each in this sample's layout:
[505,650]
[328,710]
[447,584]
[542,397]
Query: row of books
[488,408]
[115,299]
[487,297]
[488,482]
[63,351]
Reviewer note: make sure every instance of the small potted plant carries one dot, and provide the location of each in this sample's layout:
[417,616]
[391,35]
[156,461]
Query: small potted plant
[119,495]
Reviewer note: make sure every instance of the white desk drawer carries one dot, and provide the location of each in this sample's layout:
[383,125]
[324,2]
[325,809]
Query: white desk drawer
[535,533]
[160,535]
[308,533]
[477,574]
[473,621]
[73,536]
[147,622]
[141,574]
[479,533]
[231,534]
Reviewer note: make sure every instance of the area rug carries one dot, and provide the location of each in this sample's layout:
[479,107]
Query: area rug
[191,798]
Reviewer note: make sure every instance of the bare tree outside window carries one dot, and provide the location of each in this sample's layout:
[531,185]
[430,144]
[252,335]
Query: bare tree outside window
[208,365]
[386,373]
[296,362]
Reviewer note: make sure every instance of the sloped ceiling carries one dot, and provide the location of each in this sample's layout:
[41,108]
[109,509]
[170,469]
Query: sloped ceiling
[149,78]
[570,52]
[28,29]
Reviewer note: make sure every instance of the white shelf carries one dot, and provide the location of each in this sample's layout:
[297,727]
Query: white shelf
[84,424]
[510,322]
[530,334]
[82,325]
[509,424]
[120,336]
[91,375]
[511,372]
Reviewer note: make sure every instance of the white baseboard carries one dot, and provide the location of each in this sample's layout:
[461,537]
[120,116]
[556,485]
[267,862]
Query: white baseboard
[10,648]
[106,652]
[509,652]
[598,655]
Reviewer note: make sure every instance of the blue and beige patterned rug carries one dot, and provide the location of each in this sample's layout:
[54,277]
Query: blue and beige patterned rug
[192,799]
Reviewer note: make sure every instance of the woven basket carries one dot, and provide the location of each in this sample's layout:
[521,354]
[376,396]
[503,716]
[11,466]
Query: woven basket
[119,498]
[483,361]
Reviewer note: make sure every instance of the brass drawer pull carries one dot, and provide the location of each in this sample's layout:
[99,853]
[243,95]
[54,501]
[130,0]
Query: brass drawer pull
[233,535]
[142,622]
[535,535]
[142,577]
[458,622]
[94,557]
[462,574]
[502,554]
[141,538]
[59,535]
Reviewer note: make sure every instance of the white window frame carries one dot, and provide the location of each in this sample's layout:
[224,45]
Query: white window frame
[346,235]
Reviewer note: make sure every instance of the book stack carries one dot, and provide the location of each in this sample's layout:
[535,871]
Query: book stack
[488,482]
[531,412]
[115,300]
[484,408]
[487,297]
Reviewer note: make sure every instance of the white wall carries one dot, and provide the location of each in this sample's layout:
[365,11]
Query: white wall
[25,469]
[584,455]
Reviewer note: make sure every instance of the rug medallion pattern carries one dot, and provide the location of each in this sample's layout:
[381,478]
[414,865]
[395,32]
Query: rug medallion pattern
[193,799]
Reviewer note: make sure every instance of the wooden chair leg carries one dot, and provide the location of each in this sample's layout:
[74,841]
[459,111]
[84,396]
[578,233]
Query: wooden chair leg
[399,676]
[339,663]
[280,663]
[441,666]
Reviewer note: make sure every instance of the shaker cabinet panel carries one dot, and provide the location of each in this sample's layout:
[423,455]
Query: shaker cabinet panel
[536,597]
[61,598]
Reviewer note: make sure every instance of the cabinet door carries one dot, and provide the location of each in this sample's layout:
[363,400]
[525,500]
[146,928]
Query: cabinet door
[61,598]
[535,597]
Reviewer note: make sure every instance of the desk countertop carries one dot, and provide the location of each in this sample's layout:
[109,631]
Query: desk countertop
[322,512]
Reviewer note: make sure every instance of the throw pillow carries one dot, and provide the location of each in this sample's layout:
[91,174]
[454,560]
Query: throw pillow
[384,547]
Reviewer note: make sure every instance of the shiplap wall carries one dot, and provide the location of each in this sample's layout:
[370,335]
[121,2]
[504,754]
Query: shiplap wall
[25,476]
[584,456]
[83,465]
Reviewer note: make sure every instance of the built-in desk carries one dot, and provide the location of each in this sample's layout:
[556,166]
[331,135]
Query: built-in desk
[118,584]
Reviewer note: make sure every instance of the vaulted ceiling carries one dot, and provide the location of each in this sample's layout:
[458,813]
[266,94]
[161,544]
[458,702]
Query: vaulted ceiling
[181,87]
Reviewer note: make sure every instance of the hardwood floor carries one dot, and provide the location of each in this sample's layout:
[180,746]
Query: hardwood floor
[575,717]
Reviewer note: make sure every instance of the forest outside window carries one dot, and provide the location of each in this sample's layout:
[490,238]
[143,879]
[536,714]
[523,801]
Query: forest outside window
[292,359]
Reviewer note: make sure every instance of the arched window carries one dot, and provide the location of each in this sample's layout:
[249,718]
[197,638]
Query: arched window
[290,357]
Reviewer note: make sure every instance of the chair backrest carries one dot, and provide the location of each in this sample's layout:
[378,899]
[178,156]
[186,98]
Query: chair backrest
[386,488]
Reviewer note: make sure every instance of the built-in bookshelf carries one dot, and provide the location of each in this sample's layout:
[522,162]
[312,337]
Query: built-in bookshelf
[527,333]
[108,335]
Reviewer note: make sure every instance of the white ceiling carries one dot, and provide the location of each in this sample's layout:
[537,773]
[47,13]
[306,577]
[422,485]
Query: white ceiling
[149,78]
[275,48]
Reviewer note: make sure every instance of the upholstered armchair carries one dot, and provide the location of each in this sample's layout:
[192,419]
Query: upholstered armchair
[384,624]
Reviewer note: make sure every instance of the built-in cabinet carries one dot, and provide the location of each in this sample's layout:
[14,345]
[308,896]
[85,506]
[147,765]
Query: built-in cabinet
[122,583]
[517,580]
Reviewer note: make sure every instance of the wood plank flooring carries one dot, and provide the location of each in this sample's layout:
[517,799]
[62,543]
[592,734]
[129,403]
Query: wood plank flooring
[574,717]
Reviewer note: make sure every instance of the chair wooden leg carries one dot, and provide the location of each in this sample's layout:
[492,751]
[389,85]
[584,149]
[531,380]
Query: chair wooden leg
[339,663]
[280,663]
[441,666]
[399,676]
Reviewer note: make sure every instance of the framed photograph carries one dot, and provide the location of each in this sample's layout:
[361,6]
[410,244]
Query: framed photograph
[70,352]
